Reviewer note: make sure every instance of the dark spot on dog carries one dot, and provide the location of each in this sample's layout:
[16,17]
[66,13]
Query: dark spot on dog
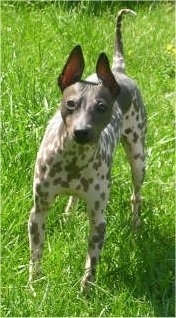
[93,214]
[64,184]
[57,166]
[136,105]
[96,238]
[108,174]
[101,229]
[78,187]
[103,196]
[137,156]
[36,239]
[85,184]
[97,186]
[56,181]
[93,265]
[97,205]
[43,202]
[46,184]
[33,228]
[91,245]
[135,137]
[43,226]
[97,164]
[128,131]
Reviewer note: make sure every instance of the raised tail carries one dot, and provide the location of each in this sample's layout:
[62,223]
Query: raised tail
[118,59]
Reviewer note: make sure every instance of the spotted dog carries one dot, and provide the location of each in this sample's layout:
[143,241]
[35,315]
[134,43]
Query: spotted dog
[75,156]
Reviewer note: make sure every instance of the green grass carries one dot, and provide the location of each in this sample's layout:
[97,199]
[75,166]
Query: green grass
[135,275]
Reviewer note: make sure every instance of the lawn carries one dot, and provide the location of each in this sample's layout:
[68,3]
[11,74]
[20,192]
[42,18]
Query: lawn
[136,273]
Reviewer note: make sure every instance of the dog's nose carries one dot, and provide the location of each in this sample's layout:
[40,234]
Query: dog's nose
[83,135]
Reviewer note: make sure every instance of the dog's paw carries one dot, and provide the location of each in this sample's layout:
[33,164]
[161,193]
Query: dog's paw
[86,284]
[35,272]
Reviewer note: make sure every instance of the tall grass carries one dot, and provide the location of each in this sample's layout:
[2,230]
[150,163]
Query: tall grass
[135,275]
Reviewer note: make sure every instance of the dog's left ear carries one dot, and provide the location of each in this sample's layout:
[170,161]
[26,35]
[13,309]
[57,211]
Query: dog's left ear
[104,72]
[73,68]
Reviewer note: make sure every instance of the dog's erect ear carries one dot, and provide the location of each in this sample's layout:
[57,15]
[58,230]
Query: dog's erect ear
[104,73]
[73,68]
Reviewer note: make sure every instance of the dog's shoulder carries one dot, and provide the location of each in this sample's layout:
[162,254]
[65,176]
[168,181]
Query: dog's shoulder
[129,92]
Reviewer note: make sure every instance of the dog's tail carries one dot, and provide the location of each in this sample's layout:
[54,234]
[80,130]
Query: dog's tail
[118,59]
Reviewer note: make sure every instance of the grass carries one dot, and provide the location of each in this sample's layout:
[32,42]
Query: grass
[136,273]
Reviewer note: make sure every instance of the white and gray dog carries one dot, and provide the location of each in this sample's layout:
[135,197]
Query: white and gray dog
[75,156]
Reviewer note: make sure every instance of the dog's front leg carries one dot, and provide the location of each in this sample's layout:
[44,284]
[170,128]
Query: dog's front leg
[96,239]
[36,229]
[36,241]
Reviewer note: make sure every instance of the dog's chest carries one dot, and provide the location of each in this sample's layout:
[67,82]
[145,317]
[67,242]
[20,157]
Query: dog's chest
[75,170]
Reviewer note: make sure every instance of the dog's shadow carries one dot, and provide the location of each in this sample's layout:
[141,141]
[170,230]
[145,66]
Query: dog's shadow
[144,262]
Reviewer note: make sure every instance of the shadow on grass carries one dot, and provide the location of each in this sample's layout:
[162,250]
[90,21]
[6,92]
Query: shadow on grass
[94,8]
[145,265]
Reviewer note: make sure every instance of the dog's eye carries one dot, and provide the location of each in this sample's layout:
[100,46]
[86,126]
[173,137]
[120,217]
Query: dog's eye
[101,107]
[70,104]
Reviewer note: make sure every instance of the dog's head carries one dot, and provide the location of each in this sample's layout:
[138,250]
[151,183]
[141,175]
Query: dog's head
[86,107]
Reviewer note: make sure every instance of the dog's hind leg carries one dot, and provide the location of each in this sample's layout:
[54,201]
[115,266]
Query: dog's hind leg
[136,156]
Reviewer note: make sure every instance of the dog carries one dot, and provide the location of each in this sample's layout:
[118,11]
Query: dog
[75,156]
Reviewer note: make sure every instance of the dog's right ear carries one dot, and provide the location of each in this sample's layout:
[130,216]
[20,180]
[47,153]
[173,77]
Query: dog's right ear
[73,68]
